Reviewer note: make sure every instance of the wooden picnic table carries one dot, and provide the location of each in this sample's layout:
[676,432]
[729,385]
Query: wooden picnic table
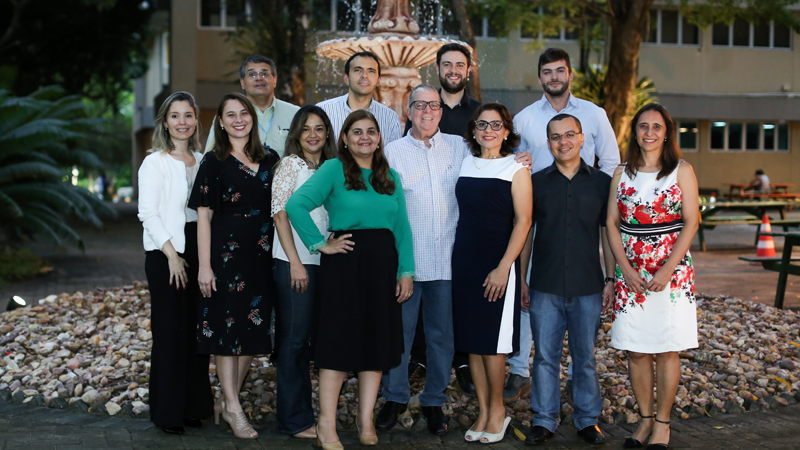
[754,210]
[737,189]
[782,264]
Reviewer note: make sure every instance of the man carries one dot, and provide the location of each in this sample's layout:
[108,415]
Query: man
[258,76]
[555,74]
[429,163]
[567,290]
[362,73]
[453,66]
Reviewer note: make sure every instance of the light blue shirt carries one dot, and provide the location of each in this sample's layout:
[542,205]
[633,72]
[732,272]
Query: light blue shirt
[429,177]
[599,138]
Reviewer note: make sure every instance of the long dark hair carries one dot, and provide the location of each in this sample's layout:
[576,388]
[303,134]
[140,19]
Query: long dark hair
[293,146]
[222,144]
[670,154]
[380,179]
[508,145]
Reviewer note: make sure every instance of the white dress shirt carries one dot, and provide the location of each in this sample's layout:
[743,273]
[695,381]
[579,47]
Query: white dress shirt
[338,110]
[289,176]
[429,177]
[599,138]
[163,195]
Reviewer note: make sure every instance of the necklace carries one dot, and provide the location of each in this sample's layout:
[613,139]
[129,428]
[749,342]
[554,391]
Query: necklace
[491,160]
[310,164]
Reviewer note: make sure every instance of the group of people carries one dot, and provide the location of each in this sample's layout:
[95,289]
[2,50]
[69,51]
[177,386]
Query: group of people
[484,228]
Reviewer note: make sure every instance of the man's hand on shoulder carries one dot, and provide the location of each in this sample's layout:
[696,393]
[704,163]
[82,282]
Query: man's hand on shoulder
[524,158]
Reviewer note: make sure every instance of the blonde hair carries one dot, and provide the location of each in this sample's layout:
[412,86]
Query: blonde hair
[161,138]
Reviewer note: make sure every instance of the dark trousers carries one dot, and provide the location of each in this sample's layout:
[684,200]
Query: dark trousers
[179,381]
[294,315]
[419,352]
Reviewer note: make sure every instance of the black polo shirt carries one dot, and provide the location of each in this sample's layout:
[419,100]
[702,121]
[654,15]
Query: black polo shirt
[454,120]
[568,215]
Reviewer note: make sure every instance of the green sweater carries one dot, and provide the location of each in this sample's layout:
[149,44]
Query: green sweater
[352,210]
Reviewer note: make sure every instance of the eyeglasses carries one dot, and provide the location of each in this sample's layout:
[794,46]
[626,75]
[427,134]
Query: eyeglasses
[496,125]
[420,105]
[262,74]
[569,135]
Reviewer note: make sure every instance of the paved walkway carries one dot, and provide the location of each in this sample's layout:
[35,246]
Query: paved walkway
[40,428]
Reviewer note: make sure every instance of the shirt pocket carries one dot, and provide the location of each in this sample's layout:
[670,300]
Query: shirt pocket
[590,210]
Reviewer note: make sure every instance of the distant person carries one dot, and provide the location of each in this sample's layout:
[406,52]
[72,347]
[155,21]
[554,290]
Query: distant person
[366,271]
[653,214]
[234,188]
[180,393]
[760,184]
[362,73]
[567,290]
[494,203]
[599,143]
[308,145]
[258,77]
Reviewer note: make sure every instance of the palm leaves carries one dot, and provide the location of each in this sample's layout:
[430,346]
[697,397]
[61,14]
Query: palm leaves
[38,139]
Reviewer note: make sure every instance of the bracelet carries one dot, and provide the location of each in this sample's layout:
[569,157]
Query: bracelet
[610,279]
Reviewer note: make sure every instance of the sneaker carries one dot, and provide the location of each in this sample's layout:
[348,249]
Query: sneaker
[516,387]
[464,378]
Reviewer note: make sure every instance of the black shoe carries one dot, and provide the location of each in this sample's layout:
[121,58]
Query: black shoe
[387,417]
[634,443]
[436,420]
[659,446]
[516,387]
[193,423]
[173,430]
[538,436]
[464,378]
[592,435]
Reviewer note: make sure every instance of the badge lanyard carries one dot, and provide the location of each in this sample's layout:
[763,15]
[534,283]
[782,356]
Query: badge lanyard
[269,125]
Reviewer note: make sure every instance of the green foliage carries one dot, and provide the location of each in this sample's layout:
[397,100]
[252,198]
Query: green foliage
[709,12]
[38,137]
[18,264]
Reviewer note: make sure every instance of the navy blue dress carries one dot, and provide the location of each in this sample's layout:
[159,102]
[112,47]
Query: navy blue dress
[485,223]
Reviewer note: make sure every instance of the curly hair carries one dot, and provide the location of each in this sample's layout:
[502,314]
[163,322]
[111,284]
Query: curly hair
[508,146]
[380,179]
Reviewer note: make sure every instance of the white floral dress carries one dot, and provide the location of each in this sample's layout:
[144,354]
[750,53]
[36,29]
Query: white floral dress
[650,216]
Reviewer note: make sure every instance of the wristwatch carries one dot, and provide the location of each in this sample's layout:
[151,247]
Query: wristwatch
[610,279]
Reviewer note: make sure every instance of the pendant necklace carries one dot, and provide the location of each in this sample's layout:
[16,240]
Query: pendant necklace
[475,161]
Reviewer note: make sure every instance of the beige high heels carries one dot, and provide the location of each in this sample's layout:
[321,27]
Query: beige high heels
[239,424]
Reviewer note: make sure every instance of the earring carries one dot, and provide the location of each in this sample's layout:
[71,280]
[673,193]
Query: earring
[505,138]
[474,137]
[222,127]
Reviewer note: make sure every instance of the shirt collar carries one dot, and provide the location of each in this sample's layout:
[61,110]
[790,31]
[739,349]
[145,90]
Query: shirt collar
[573,102]
[583,167]
[465,100]
[434,139]
[346,97]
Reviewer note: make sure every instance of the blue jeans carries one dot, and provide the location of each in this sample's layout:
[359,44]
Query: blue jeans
[519,362]
[437,316]
[552,316]
[294,315]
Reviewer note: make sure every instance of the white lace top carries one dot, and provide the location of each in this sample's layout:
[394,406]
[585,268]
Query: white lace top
[290,175]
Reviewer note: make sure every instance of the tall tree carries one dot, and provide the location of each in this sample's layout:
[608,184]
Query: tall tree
[627,21]
[94,48]
[467,34]
[278,30]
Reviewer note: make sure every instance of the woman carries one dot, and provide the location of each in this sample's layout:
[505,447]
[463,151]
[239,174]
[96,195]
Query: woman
[234,187]
[494,202]
[366,270]
[308,145]
[652,218]
[180,393]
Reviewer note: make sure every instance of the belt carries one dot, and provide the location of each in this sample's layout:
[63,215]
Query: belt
[651,229]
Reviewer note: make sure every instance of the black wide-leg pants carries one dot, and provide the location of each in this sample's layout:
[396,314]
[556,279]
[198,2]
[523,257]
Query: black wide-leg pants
[179,381]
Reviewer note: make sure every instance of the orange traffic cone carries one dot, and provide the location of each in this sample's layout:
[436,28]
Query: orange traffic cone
[766,247]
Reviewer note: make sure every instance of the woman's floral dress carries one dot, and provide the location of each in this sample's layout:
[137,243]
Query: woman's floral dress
[650,216]
[235,320]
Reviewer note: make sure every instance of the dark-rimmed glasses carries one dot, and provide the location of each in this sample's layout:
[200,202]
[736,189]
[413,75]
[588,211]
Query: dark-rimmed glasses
[496,125]
[420,105]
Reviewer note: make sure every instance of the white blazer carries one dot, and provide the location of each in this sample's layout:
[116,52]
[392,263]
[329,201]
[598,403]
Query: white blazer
[163,195]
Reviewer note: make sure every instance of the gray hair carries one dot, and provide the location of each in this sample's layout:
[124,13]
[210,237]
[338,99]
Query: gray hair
[257,59]
[421,87]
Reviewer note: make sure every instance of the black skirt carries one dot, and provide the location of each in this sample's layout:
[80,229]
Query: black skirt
[359,322]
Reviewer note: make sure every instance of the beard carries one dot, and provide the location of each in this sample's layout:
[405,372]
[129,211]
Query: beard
[452,88]
[556,92]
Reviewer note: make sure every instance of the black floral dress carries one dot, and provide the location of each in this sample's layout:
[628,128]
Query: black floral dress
[235,320]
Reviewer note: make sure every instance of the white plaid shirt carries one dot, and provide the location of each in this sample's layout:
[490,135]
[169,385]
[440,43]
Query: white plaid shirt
[429,177]
[337,110]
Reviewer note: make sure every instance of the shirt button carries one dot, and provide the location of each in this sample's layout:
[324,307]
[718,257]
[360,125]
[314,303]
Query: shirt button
[569,209]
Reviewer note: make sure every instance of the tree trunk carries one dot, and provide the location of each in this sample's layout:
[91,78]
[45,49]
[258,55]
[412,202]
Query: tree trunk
[466,34]
[296,57]
[627,22]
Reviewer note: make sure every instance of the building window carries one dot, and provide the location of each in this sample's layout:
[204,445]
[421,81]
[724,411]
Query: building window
[224,14]
[687,135]
[749,136]
[743,34]
[669,27]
